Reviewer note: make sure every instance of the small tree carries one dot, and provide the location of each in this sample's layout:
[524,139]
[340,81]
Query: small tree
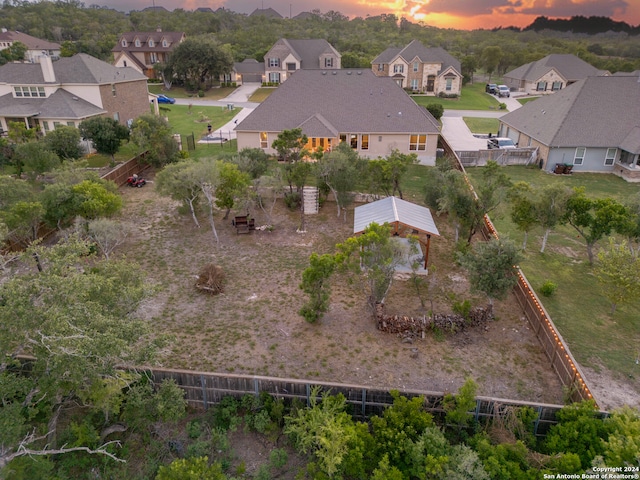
[550,208]
[65,142]
[252,161]
[435,109]
[492,267]
[107,234]
[340,170]
[152,134]
[105,133]
[315,283]
[35,159]
[291,145]
[618,271]
[523,210]
[233,184]
[179,181]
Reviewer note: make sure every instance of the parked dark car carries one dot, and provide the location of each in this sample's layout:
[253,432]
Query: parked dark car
[491,88]
[165,99]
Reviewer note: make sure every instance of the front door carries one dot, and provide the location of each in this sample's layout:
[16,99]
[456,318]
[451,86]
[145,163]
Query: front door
[431,82]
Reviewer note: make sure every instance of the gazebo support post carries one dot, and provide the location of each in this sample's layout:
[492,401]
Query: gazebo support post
[426,253]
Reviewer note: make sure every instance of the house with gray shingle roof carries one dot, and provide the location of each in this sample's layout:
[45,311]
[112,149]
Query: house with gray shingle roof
[247,71]
[550,74]
[265,12]
[420,69]
[48,94]
[373,114]
[142,50]
[287,56]
[35,46]
[582,127]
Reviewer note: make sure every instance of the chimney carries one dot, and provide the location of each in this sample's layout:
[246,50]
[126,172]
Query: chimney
[47,68]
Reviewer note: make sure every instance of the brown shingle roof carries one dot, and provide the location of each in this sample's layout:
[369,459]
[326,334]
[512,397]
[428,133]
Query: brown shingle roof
[32,43]
[346,100]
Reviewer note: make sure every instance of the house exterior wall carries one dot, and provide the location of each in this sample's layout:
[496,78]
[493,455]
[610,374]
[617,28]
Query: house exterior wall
[337,63]
[593,160]
[282,53]
[380,145]
[375,68]
[90,93]
[550,77]
[441,85]
[124,61]
[131,100]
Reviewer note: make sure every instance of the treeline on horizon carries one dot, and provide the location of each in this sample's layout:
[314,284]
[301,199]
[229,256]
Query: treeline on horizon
[600,41]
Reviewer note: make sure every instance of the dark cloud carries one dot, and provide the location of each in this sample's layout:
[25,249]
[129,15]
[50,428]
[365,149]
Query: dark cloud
[465,8]
[570,8]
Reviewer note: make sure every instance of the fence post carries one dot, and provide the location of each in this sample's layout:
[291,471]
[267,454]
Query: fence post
[204,391]
[308,387]
[256,387]
[537,422]
[364,402]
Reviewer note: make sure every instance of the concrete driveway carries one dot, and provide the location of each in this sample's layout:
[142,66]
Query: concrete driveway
[458,135]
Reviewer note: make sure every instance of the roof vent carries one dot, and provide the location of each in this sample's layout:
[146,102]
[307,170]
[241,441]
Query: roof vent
[324,73]
[388,114]
[334,73]
[74,98]
[360,72]
[348,73]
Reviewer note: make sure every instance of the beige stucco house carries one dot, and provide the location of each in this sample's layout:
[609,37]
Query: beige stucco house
[142,50]
[373,114]
[550,74]
[420,69]
[47,94]
[287,56]
[35,46]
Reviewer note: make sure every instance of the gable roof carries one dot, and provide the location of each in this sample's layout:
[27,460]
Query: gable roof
[32,43]
[249,65]
[582,116]
[416,49]
[569,66]
[308,51]
[157,37]
[79,69]
[394,210]
[266,12]
[61,104]
[347,100]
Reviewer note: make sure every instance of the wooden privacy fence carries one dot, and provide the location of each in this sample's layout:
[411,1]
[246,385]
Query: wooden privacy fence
[553,344]
[120,174]
[203,390]
[512,156]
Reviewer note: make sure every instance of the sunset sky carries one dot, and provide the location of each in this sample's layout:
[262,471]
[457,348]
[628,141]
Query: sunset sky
[458,14]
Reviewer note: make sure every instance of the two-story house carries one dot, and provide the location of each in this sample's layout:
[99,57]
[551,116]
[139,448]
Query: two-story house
[35,46]
[288,55]
[420,69]
[48,94]
[550,74]
[142,50]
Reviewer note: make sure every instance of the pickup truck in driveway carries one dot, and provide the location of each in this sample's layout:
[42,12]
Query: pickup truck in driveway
[503,91]
[491,88]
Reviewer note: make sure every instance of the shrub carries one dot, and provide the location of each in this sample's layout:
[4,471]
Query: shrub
[200,93]
[502,106]
[435,109]
[462,309]
[548,288]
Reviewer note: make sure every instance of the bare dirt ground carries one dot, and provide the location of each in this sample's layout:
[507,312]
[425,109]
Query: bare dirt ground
[254,327]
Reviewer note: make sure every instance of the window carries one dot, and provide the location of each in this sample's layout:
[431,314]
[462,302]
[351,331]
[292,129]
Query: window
[364,145]
[274,77]
[137,42]
[541,87]
[449,84]
[226,77]
[17,91]
[274,62]
[116,116]
[556,86]
[291,67]
[398,68]
[264,143]
[611,156]
[164,43]
[71,124]
[416,65]
[124,43]
[343,137]
[418,142]
[381,67]
[328,62]
[579,158]
[56,125]
[353,141]
[153,57]
[45,125]
[113,89]
[151,44]
[414,84]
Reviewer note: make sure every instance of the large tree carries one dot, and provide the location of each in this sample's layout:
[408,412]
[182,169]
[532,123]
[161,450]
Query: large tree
[618,272]
[65,142]
[77,319]
[35,158]
[105,133]
[199,60]
[340,170]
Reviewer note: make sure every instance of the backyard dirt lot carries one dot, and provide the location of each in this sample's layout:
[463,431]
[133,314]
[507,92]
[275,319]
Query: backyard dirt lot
[254,327]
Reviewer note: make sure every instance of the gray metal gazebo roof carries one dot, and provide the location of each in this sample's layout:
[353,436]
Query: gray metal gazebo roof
[396,212]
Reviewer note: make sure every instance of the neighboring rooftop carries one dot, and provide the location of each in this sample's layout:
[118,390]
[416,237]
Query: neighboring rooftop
[249,65]
[308,50]
[569,66]
[265,12]
[416,49]
[581,116]
[32,43]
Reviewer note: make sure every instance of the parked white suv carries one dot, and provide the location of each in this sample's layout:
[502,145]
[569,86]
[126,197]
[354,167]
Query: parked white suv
[500,142]
[503,91]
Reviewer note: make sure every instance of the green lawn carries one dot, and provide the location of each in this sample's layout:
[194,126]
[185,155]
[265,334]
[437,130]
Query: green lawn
[524,100]
[580,312]
[473,97]
[482,125]
[261,94]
